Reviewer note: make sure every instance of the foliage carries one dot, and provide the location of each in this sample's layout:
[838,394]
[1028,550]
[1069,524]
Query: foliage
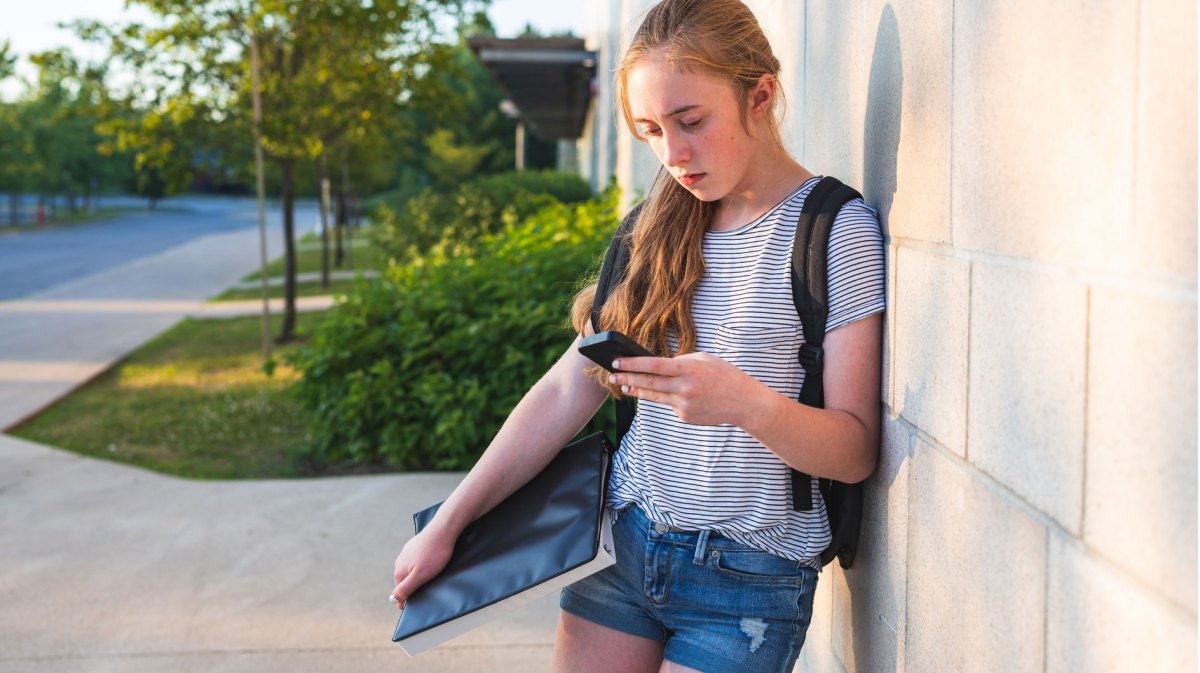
[475,208]
[454,127]
[419,369]
[48,138]
[330,72]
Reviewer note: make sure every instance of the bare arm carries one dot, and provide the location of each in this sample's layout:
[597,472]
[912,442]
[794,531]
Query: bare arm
[839,442]
[547,417]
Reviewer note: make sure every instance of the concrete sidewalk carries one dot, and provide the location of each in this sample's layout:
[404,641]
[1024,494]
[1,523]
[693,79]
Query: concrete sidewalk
[104,567]
[109,568]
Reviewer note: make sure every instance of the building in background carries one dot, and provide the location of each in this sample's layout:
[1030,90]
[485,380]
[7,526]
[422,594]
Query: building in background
[1035,504]
[549,83]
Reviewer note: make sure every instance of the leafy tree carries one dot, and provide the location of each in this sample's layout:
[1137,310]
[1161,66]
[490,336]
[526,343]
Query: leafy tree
[8,60]
[48,137]
[330,70]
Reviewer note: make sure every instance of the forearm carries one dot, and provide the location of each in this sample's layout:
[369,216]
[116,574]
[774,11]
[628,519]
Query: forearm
[829,443]
[547,417]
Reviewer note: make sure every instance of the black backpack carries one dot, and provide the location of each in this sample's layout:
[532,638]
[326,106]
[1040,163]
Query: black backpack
[843,502]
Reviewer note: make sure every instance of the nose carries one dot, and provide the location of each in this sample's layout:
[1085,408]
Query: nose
[675,150]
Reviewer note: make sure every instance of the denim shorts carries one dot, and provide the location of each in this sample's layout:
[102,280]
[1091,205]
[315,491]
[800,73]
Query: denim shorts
[717,605]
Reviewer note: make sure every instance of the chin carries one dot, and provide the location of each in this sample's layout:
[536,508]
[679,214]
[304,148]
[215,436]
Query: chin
[706,195]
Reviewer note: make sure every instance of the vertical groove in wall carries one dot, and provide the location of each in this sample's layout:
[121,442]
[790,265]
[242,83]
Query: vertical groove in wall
[967,402]
[950,234]
[1087,375]
[1137,108]
[1046,606]
[804,92]
[908,534]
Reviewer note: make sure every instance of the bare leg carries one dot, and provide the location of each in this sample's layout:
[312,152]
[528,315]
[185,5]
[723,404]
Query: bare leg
[581,646]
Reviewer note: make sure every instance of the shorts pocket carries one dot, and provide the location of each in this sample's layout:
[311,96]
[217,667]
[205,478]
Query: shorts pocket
[758,567]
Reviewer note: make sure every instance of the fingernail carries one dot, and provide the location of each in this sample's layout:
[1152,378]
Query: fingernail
[616,364]
[612,378]
[393,600]
[624,389]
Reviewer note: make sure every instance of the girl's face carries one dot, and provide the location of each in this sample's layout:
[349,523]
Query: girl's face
[692,122]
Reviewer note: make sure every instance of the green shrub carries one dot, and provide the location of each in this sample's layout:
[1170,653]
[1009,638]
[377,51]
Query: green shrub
[407,229]
[418,369]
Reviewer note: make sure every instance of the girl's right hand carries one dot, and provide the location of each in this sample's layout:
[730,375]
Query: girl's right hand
[422,558]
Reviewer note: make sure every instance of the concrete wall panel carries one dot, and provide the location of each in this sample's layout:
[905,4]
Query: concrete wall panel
[1043,112]
[1165,187]
[869,600]
[1027,367]
[976,574]
[1141,453]
[835,90]
[1102,622]
[906,167]
[932,300]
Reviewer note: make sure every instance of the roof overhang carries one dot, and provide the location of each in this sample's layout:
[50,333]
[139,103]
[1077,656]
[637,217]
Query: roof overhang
[548,79]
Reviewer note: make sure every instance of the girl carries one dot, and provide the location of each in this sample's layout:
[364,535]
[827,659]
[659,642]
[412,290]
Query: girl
[715,571]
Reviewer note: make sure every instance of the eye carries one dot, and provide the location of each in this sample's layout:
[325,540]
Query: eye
[690,123]
[651,131]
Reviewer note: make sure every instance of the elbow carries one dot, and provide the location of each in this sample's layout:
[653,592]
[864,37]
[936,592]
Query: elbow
[861,469]
[862,453]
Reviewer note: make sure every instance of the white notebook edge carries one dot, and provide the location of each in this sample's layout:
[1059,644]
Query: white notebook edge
[429,638]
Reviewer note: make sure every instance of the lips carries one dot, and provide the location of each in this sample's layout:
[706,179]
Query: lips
[690,179]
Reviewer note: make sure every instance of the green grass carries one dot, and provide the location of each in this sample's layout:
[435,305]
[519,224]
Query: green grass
[193,402]
[276,292]
[309,261]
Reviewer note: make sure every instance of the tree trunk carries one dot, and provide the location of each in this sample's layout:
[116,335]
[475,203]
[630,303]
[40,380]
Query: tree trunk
[340,217]
[288,178]
[13,200]
[347,203]
[324,169]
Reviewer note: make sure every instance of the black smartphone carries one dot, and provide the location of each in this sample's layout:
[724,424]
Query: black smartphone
[605,347]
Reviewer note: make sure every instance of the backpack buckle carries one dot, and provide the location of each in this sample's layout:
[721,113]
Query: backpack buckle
[812,357]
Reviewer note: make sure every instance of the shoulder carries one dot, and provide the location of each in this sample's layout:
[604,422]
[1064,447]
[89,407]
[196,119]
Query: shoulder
[856,218]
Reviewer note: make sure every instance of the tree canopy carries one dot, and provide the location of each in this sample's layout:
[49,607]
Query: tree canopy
[332,74]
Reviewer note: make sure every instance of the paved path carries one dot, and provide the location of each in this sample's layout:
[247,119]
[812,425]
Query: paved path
[107,568]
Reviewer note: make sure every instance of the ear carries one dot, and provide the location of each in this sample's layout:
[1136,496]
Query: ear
[762,94]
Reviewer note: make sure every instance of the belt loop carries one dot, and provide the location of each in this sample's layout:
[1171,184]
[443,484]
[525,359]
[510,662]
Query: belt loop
[701,548]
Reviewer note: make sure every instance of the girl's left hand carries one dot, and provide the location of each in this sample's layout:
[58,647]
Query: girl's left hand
[702,388]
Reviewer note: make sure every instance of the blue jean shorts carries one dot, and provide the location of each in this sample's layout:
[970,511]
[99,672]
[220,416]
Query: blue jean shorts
[717,605]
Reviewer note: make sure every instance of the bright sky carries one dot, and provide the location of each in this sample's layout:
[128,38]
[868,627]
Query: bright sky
[32,28]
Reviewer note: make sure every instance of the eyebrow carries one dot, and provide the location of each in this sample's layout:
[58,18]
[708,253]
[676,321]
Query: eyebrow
[672,113]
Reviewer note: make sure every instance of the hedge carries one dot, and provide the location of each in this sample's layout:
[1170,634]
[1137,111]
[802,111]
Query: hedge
[410,226]
[418,369]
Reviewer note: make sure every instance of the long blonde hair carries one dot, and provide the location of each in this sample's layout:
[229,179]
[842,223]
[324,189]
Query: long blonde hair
[666,263]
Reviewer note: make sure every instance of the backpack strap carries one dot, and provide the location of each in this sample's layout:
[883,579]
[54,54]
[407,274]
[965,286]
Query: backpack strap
[612,272]
[810,293]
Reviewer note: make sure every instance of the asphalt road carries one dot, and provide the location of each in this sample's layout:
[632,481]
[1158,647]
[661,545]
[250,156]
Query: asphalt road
[39,259]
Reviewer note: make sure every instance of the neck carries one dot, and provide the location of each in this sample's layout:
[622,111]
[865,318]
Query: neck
[774,179]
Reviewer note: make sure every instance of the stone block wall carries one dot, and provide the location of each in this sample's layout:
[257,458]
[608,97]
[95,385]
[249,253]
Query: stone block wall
[1034,167]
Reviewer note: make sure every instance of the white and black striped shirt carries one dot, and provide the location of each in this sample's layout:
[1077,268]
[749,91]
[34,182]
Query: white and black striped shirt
[720,478]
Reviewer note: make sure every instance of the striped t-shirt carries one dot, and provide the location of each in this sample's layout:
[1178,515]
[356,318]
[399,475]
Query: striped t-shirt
[719,478]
